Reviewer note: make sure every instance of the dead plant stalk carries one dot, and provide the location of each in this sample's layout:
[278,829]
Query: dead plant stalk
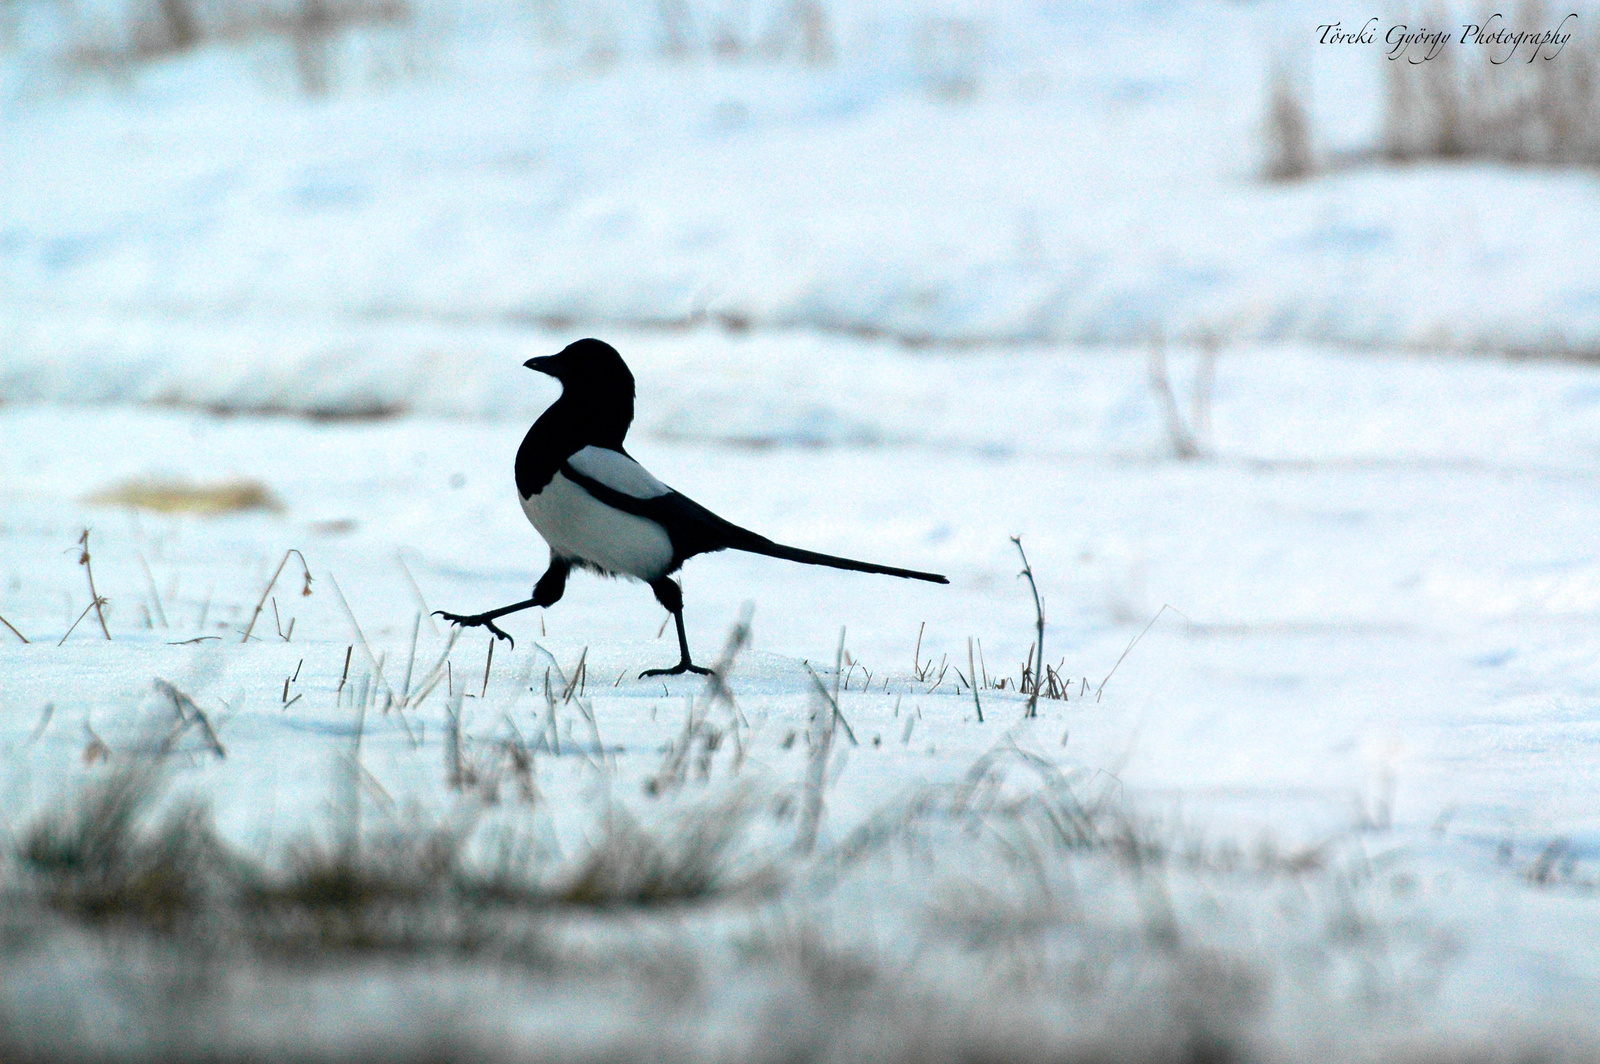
[13,628]
[262,602]
[96,601]
[1038,614]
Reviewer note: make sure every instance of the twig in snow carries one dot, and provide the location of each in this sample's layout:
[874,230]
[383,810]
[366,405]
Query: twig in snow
[1205,379]
[14,631]
[973,673]
[189,713]
[488,661]
[411,658]
[277,622]
[96,601]
[417,591]
[916,656]
[377,663]
[578,673]
[1133,643]
[205,607]
[346,674]
[441,671]
[155,596]
[832,701]
[1185,437]
[45,716]
[1178,433]
[305,589]
[81,616]
[1038,613]
[452,741]
[817,767]
[96,748]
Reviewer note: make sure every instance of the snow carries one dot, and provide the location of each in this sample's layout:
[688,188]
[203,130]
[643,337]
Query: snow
[1380,639]
[1341,668]
[1098,187]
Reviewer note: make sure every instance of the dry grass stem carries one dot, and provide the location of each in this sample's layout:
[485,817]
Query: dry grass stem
[97,601]
[344,676]
[972,670]
[1131,644]
[488,661]
[700,739]
[155,596]
[411,658]
[189,713]
[77,622]
[1038,614]
[416,591]
[14,631]
[832,701]
[305,589]
[1180,433]
[390,701]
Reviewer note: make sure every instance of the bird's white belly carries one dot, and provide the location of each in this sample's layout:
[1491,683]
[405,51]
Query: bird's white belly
[580,527]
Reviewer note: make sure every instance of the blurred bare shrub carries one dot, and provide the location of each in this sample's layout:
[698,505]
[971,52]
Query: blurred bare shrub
[177,25]
[116,38]
[733,31]
[1462,104]
[1469,101]
[949,57]
[1286,129]
[803,27]
[313,26]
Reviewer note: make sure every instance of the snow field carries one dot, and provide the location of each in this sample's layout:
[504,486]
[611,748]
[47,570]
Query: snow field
[1349,766]
[1099,187]
[1336,803]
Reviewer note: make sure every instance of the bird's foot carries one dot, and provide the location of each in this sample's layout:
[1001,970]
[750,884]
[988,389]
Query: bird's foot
[677,670]
[476,620]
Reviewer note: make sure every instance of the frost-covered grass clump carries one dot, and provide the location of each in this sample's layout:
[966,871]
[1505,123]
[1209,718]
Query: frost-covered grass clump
[718,894]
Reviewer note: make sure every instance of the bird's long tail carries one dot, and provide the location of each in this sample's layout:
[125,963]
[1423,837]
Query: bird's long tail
[757,544]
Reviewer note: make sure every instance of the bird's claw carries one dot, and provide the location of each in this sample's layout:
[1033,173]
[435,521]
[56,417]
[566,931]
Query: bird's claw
[476,620]
[677,670]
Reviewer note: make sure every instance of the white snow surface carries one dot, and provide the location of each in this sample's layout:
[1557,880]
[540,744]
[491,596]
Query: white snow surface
[899,308]
[195,227]
[1381,644]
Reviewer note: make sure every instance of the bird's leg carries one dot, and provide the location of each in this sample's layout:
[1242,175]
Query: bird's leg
[670,595]
[547,592]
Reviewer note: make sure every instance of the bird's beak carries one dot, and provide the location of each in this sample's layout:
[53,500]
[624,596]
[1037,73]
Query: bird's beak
[543,364]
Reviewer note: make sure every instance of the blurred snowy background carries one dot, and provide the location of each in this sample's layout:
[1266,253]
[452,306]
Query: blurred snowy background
[259,206]
[1295,340]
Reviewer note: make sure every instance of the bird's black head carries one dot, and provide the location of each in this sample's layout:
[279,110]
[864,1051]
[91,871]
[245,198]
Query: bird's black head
[587,365]
[596,387]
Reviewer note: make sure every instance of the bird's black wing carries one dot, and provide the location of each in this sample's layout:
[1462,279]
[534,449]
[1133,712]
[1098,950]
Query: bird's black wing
[695,530]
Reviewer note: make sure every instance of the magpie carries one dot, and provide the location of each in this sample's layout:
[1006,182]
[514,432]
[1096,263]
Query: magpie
[600,510]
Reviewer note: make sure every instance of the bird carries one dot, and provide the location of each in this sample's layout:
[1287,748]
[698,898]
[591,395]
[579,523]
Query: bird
[600,510]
